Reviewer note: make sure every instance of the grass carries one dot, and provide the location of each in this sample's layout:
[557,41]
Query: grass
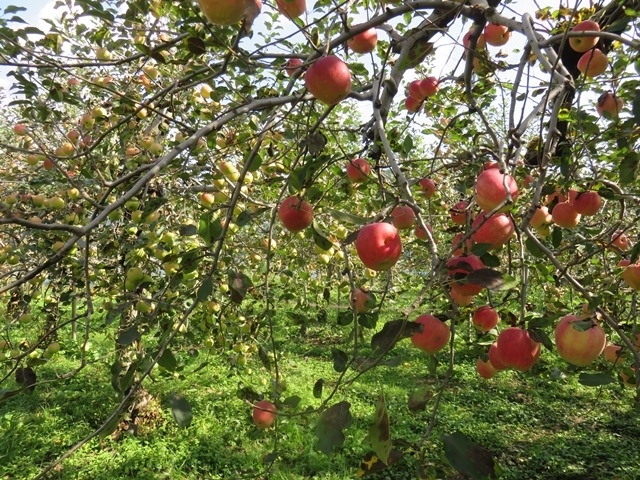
[540,426]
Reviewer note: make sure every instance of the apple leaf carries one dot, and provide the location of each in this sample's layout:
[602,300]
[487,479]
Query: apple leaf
[205,290]
[418,400]
[542,337]
[595,379]
[239,283]
[488,278]
[129,336]
[379,432]
[209,229]
[392,332]
[330,428]
[340,360]
[264,358]
[319,238]
[345,317]
[368,320]
[371,464]
[181,410]
[317,388]
[168,361]
[468,458]
[345,217]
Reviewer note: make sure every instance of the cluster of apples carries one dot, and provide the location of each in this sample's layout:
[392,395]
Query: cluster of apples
[568,210]
[594,61]
[419,91]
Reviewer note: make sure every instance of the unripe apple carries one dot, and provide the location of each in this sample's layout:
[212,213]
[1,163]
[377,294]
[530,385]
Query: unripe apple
[496,35]
[541,217]
[229,170]
[99,112]
[55,203]
[582,44]
[103,53]
[328,79]
[631,275]
[206,199]
[156,148]
[593,63]
[65,150]
[151,71]
[613,353]
[364,42]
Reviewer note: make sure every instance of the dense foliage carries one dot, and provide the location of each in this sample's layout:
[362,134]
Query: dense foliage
[152,160]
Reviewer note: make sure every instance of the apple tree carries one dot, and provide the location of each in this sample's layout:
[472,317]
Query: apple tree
[177,174]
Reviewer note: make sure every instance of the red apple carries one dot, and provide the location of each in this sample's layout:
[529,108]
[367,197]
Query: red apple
[461,300]
[225,12]
[458,212]
[609,105]
[429,86]
[292,8]
[427,187]
[577,343]
[328,79]
[20,129]
[516,349]
[541,217]
[264,414]
[434,336]
[485,318]
[593,63]
[412,104]
[613,353]
[485,368]
[631,275]
[458,247]
[358,170]
[458,268]
[420,233]
[587,203]
[403,217]
[364,42]
[619,239]
[480,43]
[495,230]
[378,246]
[490,189]
[415,91]
[362,300]
[295,213]
[496,35]
[292,66]
[494,357]
[582,44]
[564,215]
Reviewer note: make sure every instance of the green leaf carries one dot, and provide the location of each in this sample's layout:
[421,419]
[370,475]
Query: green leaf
[533,249]
[468,458]
[264,358]
[595,379]
[345,217]
[319,238]
[209,229]
[379,431]
[181,410]
[317,388]
[168,361]
[628,169]
[205,290]
[331,425]
[129,336]
[340,360]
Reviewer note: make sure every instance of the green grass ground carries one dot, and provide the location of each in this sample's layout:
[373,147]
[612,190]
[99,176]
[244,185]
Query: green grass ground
[543,426]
